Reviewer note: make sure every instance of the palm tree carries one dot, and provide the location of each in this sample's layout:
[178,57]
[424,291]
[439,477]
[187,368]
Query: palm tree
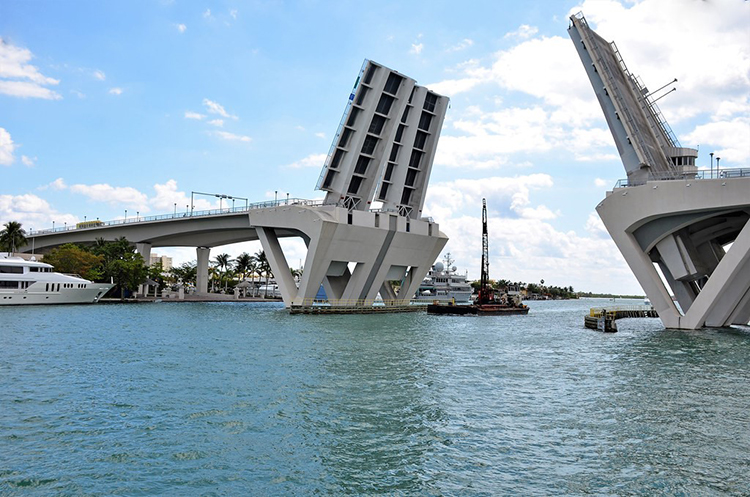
[242,264]
[12,237]
[223,261]
[263,267]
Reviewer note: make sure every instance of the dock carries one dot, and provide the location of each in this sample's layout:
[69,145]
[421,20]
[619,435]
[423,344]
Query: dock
[603,318]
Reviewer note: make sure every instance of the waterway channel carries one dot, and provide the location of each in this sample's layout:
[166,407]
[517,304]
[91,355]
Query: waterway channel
[246,399]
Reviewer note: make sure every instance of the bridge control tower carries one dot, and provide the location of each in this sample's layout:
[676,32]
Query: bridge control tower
[690,224]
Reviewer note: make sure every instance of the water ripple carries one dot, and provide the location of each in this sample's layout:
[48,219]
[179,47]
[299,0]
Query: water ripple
[226,399]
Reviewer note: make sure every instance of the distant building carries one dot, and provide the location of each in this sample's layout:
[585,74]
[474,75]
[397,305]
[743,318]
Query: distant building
[166,262]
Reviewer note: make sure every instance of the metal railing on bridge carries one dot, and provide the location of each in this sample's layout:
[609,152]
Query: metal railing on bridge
[90,225]
[697,175]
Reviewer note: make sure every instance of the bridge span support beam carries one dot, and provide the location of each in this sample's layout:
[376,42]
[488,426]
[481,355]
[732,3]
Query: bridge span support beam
[353,254]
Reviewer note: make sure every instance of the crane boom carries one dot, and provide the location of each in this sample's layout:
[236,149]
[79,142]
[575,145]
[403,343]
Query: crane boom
[485,294]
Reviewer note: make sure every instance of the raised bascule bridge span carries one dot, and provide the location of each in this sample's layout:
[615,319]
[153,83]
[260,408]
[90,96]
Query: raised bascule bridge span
[382,152]
[690,223]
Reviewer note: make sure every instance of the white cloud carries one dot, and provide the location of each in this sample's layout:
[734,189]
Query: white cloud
[194,115]
[601,183]
[18,78]
[312,160]
[233,13]
[595,226]
[219,123]
[320,135]
[462,45]
[28,161]
[207,14]
[181,28]
[216,108]
[58,184]
[169,199]
[116,196]
[524,31]
[416,48]
[115,91]
[99,75]
[33,212]
[231,136]
[729,138]
[523,245]
[6,148]
[27,89]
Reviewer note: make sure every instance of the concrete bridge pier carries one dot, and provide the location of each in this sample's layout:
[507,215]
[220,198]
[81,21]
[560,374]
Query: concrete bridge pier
[201,282]
[144,249]
[353,254]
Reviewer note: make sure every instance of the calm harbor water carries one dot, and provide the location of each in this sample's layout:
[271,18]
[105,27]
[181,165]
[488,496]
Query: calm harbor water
[245,399]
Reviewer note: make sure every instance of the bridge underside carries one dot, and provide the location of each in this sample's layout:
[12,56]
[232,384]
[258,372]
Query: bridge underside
[697,233]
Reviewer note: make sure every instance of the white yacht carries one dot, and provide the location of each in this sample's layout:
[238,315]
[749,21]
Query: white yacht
[444,284]
[28,282]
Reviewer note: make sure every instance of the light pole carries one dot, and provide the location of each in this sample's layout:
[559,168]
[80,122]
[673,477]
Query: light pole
[712,164]
[126,215]
[53,226]
[275,197]
[287,198]
[175,208]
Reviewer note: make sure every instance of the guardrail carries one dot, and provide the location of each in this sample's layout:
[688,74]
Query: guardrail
[700,174]
[192,214]
[596,312]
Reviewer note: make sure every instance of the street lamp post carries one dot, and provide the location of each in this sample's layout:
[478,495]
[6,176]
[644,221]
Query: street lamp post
[126,215]
[275,197]
[175,208]
[712,164]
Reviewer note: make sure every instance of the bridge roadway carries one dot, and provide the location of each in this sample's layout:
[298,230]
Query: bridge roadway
[383,245]
[209,228]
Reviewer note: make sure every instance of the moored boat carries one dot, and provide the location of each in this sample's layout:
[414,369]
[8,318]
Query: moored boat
[30,282]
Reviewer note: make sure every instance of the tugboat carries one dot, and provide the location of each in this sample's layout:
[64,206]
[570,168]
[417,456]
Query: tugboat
[486,303]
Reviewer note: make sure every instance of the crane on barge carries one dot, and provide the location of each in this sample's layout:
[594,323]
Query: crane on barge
[485,303]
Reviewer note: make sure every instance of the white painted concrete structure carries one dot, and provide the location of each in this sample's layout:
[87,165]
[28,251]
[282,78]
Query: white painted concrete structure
[353,251]
[669,215]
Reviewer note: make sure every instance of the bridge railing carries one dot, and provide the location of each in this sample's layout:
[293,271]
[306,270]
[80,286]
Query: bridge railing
[182,215]
[700,174]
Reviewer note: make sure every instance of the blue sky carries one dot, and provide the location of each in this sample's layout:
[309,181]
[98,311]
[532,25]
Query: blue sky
[108,106]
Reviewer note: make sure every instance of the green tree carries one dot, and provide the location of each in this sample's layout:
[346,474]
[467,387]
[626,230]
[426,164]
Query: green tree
[223,261]
[127,272]
[243,263]
[71,258]
[264,268]
[12,237]
[156,273]
[121,263]
[186,273]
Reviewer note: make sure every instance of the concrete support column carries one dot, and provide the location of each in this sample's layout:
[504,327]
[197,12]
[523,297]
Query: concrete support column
[202,270]
[144,249]
[279,265]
